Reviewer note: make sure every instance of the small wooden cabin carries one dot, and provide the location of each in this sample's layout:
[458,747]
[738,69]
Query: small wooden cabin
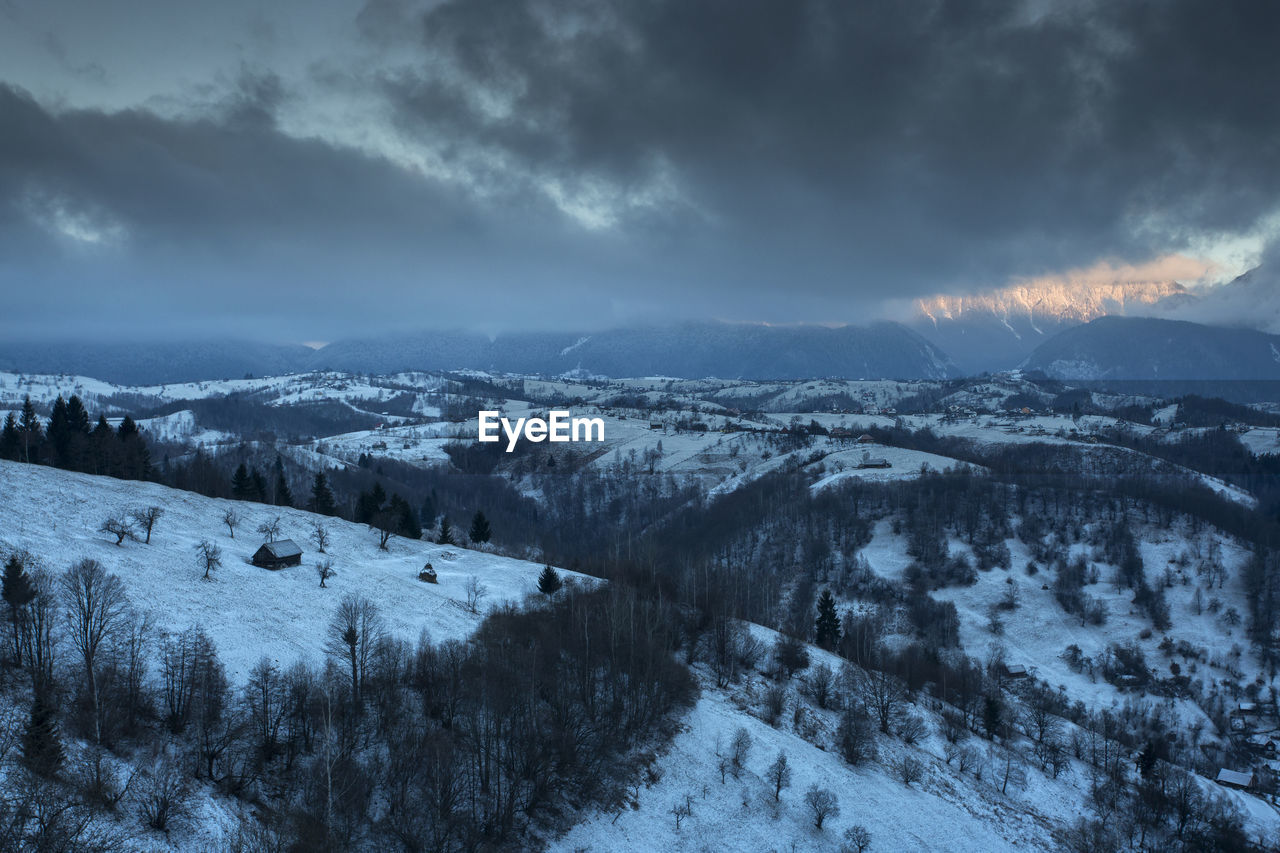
[277,555]
[1234,779]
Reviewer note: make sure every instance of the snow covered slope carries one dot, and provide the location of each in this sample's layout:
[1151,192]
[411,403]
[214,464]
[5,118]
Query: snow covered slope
[248,611]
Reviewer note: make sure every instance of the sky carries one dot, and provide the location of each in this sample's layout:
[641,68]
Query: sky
[308,170]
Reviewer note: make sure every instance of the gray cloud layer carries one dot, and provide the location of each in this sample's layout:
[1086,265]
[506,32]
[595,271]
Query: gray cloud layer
[597,161]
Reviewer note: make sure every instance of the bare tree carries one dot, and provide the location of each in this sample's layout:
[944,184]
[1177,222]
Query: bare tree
[822,804]
[270,529]
[857,839]
[146,519]
[909,770]
[96,607]
[39,638]
[164,794]
[881,693]
[354,632]
[821,681]
[231,518]
[119,527]
[779,775]
[741,746]
[320,536]
[209,557]
[476,593]
[324,568]
[385,522]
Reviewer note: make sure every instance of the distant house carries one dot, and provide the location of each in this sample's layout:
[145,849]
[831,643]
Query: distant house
[1234,779]
[1264,744]
[1247,709]
[657,425]
[866,439]
[1015,670]
[278,554]
[869,461]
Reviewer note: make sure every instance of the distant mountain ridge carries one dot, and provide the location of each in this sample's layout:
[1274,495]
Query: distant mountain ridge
[1149,348]
[689,350]
[997,329]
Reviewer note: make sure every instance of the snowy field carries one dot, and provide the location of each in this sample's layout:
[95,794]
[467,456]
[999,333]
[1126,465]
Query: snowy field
[248,611]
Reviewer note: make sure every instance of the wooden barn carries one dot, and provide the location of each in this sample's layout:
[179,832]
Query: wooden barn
[277,555]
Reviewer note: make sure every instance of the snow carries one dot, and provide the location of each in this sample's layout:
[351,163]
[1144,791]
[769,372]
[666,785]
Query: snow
[249,612]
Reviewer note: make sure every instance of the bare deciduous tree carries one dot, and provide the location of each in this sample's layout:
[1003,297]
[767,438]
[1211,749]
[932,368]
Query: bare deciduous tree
[822,804]
[779,775]
[119,527]
[324,568]
[231,518]
[320,536]
[354,631]
[270,529]
[146,519]
[740,748]
[209,557]
[857,839]
[96,607]
[881,693]
[476,593]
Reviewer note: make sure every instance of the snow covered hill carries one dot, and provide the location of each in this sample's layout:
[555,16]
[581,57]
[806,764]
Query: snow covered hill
[249,612]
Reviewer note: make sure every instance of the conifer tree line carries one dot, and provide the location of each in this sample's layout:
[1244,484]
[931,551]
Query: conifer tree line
[72,442]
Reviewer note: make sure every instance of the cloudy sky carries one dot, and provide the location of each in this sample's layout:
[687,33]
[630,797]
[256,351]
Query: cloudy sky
[305,170]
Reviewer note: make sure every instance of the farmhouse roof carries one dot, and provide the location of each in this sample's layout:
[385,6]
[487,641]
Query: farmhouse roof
[282,548]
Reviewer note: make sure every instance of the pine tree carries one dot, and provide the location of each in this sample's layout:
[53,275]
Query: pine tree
[549,582]
[827,625]
[59,432]
[41,743]
[406,519]
[18,593]
[259,485]
[446,533]
[102,444]
[284,497]
[10,440]
[30,432]
[322,496]
[480,532]
[77,415]
[241,483]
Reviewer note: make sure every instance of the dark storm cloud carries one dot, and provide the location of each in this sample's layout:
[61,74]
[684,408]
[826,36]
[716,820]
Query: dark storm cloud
[225,222]
[877,146]
[753,160]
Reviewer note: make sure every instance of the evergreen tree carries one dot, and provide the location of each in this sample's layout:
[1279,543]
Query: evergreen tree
[241,483]
[41,743]
[549,582]
[77,416]
[59,433]
[134,462]
[428,512]
[10,440]
[102,447]
[259,485]
[406,519]
[284,497]
[480,528]
[30,432]
[17,592]
[446,533]
[827,625]
[370,503]
[76,455]
[322,496]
